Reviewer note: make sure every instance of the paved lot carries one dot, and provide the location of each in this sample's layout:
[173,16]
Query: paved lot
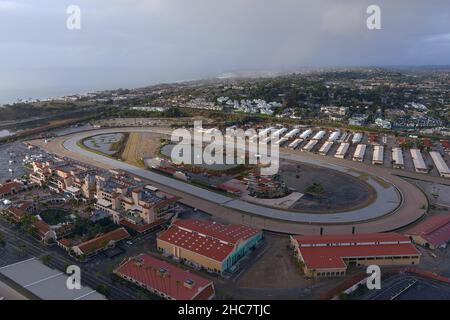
[21,246]
[276,267]
[44,282]
[409,287]
[14,152]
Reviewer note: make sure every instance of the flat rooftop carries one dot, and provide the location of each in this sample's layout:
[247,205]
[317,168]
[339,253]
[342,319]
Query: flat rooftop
[46,283]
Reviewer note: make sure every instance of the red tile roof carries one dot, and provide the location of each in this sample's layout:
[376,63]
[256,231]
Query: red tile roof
[41,227]
[427,143]
[331,257]
[141,228]
[228,188]
[166,278]
[26,205]
[231,233]
[435,230]
[364,237]
[402,140]
[210,239]
[329,251]
[65,242]
[208,247]
[103,240]
[315,261]
[445,144]
[17,213]
[8,187]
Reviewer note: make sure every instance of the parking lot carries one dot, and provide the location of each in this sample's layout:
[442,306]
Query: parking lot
[410,287]
[389,141]
[11,157]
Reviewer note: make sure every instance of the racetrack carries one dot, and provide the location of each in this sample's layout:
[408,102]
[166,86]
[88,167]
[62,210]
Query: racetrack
[398,202]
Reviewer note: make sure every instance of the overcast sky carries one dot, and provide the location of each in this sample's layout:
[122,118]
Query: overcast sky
[126,43]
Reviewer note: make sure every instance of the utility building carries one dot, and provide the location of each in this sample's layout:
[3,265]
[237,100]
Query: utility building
[293,145]
[378,155]
[359,153]
[331,255]
[306,134]
[342,150]
[419,163]
[326,148]
[319,135]
[357,138]
[440,164]
[397,158]
[334,136]
[310,145]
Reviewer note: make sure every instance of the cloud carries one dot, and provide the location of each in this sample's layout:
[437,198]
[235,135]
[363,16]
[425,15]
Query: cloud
[7,6]
[444,37]
[179,39]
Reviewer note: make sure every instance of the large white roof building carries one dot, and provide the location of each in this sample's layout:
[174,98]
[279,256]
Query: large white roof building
[440,164]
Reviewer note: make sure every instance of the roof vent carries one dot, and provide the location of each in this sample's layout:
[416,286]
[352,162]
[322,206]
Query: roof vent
[189,283]
[163,272]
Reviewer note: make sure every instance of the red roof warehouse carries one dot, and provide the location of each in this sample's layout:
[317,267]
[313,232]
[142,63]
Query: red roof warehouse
[427,143]
[330,255]
[434,232]
[164,279]
[207,244]
[445,144]
[10,188]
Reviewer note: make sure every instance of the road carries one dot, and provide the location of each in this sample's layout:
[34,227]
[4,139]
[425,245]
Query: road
[389,212]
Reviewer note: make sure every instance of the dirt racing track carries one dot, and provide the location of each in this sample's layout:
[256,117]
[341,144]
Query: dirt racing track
[397,204]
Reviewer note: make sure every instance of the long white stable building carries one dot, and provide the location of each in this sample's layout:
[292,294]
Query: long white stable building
[310,145]
[295,144]
[440,164]
[291,134]
[334,136]
[279,132]
[397,158]
[263,133]
[326,148]
[419,163]
[378,155]
[274,134]
[359,153]
[342,150]
[281,141]
[357,138]
[306,134]
[319,135]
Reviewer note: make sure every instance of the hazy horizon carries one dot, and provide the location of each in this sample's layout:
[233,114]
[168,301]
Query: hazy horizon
[53,90]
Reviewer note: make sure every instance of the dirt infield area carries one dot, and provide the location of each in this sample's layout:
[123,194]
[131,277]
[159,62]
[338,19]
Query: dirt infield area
[140,145]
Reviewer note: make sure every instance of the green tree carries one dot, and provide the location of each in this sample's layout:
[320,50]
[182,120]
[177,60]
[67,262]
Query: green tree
[103,289]
[46,259]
